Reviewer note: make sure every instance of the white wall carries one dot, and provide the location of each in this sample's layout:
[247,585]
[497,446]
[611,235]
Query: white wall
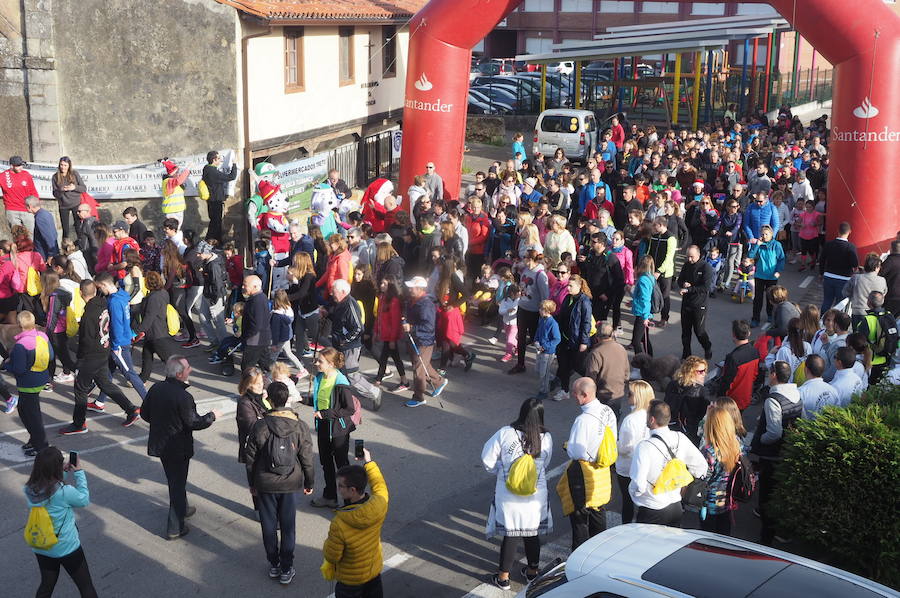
[537,6]
[538,45]
[616,6]
[273,113]
[660,7]
[577,5]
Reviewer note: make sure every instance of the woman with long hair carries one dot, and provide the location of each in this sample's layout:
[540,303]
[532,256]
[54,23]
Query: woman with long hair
[154,325]
[535,288]
[338,264]
[178,276]
[574,319]
[722,449]
[688,397]
[106,242]
[512,515]
[450,241]
[302,295]
[632,430]
[793,351]
[388,329]
[53,301]
[809,321]
[252,405]
[363,289]
[644,281]
[388,263]
[67,188]
[320,250]
[76,257]
[133,283]
[451,293]
[60,487]
[332,402]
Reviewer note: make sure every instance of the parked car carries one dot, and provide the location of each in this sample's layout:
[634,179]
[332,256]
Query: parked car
[642,561]
[477,96]
[575,131]
[500,94]
[563,68]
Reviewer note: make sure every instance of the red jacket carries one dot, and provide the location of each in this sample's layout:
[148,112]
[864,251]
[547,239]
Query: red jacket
[388,322]
[119,246]
[618,136]
[338,267]
[738,374]
[592,210]
[235,268]
[479,228]
[16,187]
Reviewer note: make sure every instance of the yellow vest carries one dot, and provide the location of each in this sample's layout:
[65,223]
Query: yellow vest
[173,202]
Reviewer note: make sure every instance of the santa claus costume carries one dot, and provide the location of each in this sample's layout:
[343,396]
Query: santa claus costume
[374,210]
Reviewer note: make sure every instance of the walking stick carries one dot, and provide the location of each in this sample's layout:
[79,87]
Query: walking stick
[422,363]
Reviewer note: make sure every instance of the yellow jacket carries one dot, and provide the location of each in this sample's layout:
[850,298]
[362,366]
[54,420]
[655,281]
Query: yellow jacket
[353,545]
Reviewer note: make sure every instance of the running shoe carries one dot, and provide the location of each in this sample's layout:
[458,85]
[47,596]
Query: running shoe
[503,584]
[507,357]
[308,354]
[388,375]
[493,340]
[215,359]
[31,452]
[330,503]
[11,403]
[129,421]
[274,572]
[560,395]
[402,387]
[316,346]
[287,577]
[437,391]
[190,344]
[529,577]
[415,403]
[376,400]
[48,387]
[72,429]
[63,378]
[96,406]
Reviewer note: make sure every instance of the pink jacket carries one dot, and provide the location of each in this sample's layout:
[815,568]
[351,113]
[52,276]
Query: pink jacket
[627,262]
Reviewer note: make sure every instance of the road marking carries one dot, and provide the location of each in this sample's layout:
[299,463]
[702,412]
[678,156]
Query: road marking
[390,563]
[806,282]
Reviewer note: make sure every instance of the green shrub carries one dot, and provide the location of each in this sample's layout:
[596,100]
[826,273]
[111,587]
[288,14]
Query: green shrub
[839,483]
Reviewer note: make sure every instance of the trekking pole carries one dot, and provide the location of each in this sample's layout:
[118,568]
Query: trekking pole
[422,363]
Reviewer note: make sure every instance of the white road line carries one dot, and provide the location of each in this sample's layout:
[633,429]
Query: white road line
[806,282]
[391,562]
[557,471]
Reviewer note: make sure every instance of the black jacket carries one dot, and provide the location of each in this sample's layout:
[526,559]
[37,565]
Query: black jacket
[153,315]
[250,409]
[346,324]
[215,279]
[700,276]
[890,271]
[392,268]
[838,257]
[302,294]
[217,181]
[172,414]
[286,424]
[255,328]
[603,274]
[688,406]
[93,332]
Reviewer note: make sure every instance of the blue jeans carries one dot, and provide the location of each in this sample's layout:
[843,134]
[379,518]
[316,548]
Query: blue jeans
[832,292]
[121,359]
[281,509]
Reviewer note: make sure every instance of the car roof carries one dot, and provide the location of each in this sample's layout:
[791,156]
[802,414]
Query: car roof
[566,112]
[648,556]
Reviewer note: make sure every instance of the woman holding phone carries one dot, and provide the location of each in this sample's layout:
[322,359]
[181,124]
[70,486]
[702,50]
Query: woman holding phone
[60,488]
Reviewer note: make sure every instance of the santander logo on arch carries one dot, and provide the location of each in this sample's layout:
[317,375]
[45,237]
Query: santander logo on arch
[423,84]
[865,110]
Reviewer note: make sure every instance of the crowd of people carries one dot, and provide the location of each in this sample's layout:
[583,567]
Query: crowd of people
[543,253]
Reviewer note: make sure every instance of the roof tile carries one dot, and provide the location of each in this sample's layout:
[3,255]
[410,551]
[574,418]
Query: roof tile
[275,10]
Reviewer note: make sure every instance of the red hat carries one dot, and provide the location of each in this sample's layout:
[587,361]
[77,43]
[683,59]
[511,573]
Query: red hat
[700,182]
[170,166]
[267,189]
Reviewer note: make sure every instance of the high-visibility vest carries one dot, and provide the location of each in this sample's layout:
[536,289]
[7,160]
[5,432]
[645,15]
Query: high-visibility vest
[874,329]
[174,201]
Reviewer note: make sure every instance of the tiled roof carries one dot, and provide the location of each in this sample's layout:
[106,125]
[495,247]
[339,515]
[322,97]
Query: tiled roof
[290,10]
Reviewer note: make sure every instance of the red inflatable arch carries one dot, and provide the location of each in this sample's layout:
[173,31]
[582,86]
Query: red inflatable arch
[861,39]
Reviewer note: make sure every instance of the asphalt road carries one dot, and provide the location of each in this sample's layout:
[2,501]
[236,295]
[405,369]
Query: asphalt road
[434,543]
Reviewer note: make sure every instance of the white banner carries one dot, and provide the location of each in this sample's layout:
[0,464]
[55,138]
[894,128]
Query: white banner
[126,181]
[297,179]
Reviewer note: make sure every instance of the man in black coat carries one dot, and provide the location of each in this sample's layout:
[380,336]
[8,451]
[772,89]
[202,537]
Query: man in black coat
[276,491]
[694,280]
[603,273]
[890,271]
[256,333]
[217,182]
[172,414]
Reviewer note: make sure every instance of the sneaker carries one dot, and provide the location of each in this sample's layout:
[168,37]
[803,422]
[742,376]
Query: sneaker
[287,577]
[529,577]
[11,403]
[132,417]
[308,354]
[191,343]
[72,429]
[316,346]
[31,452]
[560,395]
[190,512]
[63,378]
[48,387]
[754,323]
[27,446]
[274,572]
[215,359]
[517,369]
[470,359]
[96,406]
[437,391]
[330,503]
[402,387]
[388,375]
[184,531]
[506,358]
[503,584]
[493,340]
[415,403]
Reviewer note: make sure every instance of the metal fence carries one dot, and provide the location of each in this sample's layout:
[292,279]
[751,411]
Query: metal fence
[344,158]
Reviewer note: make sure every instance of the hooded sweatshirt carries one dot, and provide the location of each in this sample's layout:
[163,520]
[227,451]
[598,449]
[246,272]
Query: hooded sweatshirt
[59,506]
[29,360]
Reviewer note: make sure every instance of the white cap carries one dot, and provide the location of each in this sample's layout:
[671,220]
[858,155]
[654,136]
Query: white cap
[417,282]
[531,182]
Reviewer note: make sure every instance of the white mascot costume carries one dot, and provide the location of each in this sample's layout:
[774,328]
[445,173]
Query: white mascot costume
[275,219]
[323,204]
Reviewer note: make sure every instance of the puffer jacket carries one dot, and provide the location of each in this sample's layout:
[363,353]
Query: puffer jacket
[353,546]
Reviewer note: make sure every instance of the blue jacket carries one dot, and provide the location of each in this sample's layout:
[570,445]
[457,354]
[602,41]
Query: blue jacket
[547,335]
[532,198]
[120,332]
[643,292]
[32,346]
[756,216]
[45,234]
[578,328]
[60,508]
[769,259]
[588,192]
[421,317]
[281,326]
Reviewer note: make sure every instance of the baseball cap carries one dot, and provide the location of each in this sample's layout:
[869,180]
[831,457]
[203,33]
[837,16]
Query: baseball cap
[594,223]
[417,282]
[120,225]
[204,248]
[16,161]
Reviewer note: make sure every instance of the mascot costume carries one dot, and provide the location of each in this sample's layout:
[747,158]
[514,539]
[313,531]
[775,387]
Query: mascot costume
[255,205]
[374,210]
[324,204]
[275,220]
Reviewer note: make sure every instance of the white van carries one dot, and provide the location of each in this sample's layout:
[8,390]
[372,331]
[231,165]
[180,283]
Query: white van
[575,131]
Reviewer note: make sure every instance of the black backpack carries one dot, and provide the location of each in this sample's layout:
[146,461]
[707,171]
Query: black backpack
[742,483]
[280,452]
[886,336]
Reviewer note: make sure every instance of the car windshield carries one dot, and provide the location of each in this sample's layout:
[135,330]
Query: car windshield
[714,569]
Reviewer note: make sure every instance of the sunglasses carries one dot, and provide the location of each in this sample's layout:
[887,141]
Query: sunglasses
[560,271]
[703,371]
[429,167]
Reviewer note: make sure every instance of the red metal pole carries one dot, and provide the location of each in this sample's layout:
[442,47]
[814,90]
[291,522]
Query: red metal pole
[768,71]
[754,87]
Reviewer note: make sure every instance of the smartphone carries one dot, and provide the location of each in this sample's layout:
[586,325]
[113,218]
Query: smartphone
[359,449]
[73,458]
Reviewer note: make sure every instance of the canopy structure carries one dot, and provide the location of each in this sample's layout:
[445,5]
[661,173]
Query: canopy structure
[695,37]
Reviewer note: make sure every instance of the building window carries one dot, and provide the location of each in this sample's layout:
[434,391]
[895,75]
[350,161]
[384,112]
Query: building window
[708,8]
[293,59]
[389,51]
[577,5]
[345,55]
[668,8]
[615,6]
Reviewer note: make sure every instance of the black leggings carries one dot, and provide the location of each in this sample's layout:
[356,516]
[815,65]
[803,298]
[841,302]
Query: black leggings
[65,216]
[164,348]
[387,352]
[60,343]
[527,321]
[508,552]
[75,565]
[759,293]
[565,364]
[333,454]
[179,301]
